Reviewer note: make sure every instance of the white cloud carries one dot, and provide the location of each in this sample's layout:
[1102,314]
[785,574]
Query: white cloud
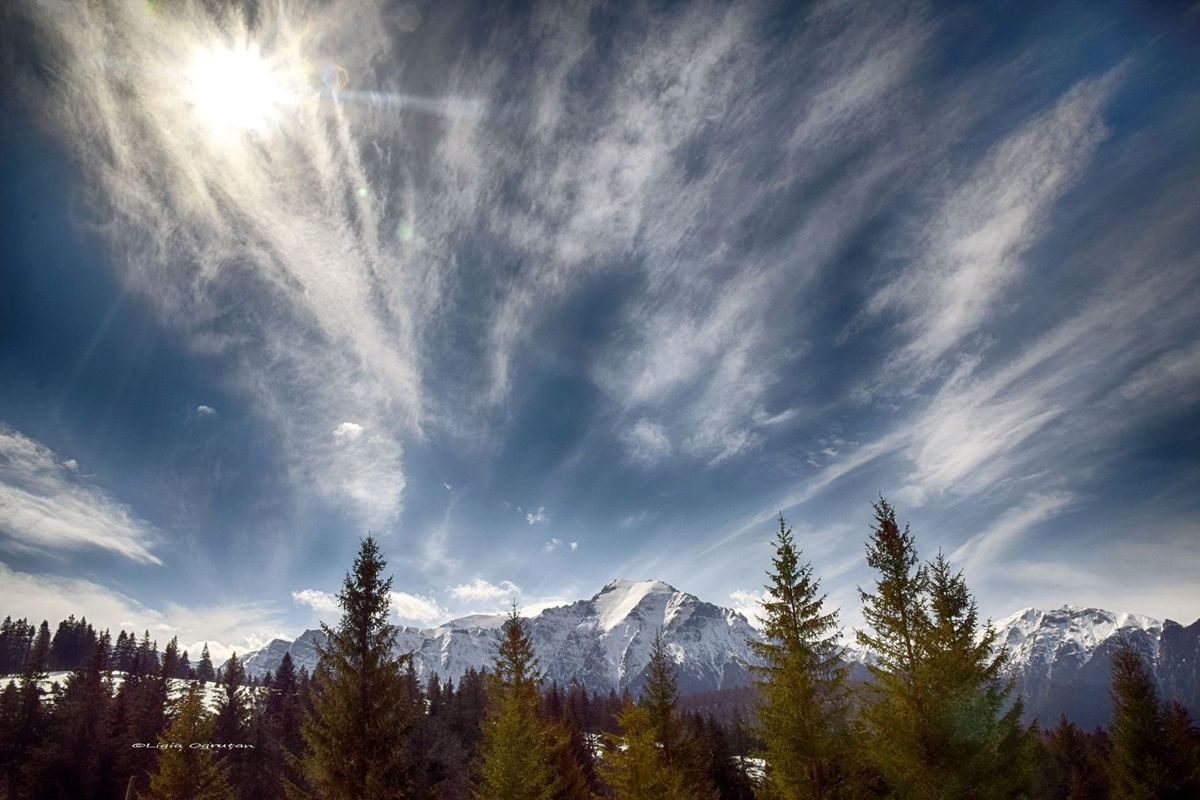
[481,591]
[1173,378]
[531,607]
[71,464]
[749,605]
[417,608]
[44,507]
[323,602]
[574,545]
[534,519]
[449,488]
[974,248]
[647,443]
[552,545]
[983,550]
[205,411]
[348,431]
[407,607]
[269,222]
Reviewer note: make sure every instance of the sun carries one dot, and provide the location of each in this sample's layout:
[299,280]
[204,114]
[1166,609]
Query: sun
[236,90]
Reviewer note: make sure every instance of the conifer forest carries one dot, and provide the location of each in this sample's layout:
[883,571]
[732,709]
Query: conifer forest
[937,718]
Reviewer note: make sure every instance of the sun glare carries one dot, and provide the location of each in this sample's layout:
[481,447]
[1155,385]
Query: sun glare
[235,90]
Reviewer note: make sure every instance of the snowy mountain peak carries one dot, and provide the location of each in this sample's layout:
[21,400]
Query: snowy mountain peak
[618,601]
[603,642]
[1062,657]
[1034,635]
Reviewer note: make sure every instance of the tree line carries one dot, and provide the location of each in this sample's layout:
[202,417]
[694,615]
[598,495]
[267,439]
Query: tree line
[937,719]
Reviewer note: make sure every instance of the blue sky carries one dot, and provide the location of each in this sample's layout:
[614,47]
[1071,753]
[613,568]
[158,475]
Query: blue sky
[545,294]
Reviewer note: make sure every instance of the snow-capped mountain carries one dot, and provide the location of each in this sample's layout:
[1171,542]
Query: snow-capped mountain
[1062,659]
[603,642]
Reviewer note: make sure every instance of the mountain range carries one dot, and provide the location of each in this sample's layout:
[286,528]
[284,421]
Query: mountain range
[1060,659]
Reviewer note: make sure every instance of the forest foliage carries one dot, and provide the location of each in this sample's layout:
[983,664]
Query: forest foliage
[937,718]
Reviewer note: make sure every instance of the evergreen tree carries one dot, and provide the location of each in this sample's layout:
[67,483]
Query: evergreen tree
[515,759]
[1136,759]
[800,680]
[81,753]
[234,709]
[184,772]
[897,616]
[16,641]
[1074,765]
[660,697]
[204,670]
[466,711]
[361,713]
[146,661]
[1155,749]
[170,659]
[183,670]
[25,720]
[1182,746]
[232,725]
[975,729]
[143,701]
[723,770]
[938,718]
[125,652]
[634,766]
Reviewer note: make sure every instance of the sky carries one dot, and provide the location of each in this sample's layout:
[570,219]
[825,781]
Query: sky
[543,294]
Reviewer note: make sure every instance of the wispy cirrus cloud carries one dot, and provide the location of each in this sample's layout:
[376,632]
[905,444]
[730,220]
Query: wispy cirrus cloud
[45,506]
[287,221]
[994,543]
[973,249]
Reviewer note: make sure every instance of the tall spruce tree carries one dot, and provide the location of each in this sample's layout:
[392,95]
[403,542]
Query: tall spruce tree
[16,640]
[185,772]
[938,719]
[233,710]
[975,726]
[81,752]
[800,680]
[361,714]
[515,757]
[26,719]
[634,766]
[897,617]
[232,726]
[1155,749]
[204,670]
[660,698]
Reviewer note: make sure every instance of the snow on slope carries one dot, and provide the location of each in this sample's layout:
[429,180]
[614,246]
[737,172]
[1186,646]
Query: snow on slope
[603,642]
[1045,640]
[210,693]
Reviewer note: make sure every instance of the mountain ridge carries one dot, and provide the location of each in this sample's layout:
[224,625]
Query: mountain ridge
[603,642]
[1059,659]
